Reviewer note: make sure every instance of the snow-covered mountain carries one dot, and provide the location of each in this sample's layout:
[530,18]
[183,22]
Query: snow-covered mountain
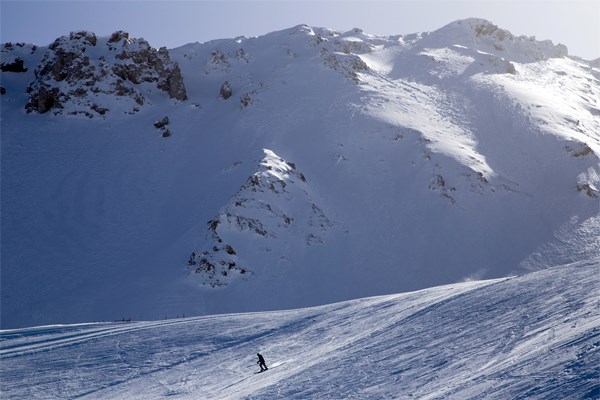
[84,75]
[528,337]
[299,168]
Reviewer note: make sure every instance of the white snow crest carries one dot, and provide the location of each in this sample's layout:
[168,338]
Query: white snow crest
[588,182]
[480,34]
[274,206]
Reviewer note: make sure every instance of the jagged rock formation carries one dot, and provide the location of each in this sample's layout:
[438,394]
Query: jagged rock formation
[75,74]
[273,202]
[341,52]
[226,91]
[589,183]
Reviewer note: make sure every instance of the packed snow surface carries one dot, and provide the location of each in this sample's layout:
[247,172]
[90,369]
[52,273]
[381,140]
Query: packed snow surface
[531,337]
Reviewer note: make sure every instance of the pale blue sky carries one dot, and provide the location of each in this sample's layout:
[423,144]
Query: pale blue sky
[575,23]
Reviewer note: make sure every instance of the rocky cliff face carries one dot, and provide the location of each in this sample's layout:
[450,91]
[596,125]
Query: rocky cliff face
[79,71]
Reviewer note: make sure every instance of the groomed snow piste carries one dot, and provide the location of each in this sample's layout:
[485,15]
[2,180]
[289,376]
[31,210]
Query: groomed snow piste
[531,337]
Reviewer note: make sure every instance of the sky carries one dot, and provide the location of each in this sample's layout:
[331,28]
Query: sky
[575,23]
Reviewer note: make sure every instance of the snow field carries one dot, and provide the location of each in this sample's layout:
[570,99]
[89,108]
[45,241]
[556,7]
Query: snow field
[534,336]
[429,164]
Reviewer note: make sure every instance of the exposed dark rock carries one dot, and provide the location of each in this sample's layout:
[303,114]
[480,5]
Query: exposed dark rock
[245,100]
[260,210]
[98,109]
[43,100]
[126,64]
[241,54]
[226,90]
[588,189]
[347,64]
[87,37]
[216,57]
[174,84]
[15,66]
[163,122]
[118,36]
[230,250]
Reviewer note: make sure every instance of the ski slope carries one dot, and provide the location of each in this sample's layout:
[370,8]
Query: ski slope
[533,336]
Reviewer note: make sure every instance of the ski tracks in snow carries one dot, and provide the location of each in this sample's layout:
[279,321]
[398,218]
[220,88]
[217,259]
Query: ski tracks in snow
[530,336]
[46,339]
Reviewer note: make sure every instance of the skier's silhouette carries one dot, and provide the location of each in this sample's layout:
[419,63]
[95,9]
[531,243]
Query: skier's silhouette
[261,363]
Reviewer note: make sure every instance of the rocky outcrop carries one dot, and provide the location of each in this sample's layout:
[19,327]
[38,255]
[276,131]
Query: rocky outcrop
[44,99]
[15,66]
[18,57]
[342,52]
[80,73]
[226,91]
[173,84]
[349,65]
[275,200]
[589,183]
[162,125]
[483,35]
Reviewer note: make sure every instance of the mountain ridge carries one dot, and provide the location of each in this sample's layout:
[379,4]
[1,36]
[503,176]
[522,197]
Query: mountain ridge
[417,161]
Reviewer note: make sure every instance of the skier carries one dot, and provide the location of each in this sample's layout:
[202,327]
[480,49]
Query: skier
[261,363]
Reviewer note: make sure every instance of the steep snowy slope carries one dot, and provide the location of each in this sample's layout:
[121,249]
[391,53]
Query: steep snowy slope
[306,166]
[535,336]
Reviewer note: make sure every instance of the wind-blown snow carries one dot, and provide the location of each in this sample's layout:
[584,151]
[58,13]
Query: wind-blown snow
[535,336]
[418,160]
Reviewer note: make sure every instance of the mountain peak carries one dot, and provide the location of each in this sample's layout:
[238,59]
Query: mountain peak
[314,167]
[482,35]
